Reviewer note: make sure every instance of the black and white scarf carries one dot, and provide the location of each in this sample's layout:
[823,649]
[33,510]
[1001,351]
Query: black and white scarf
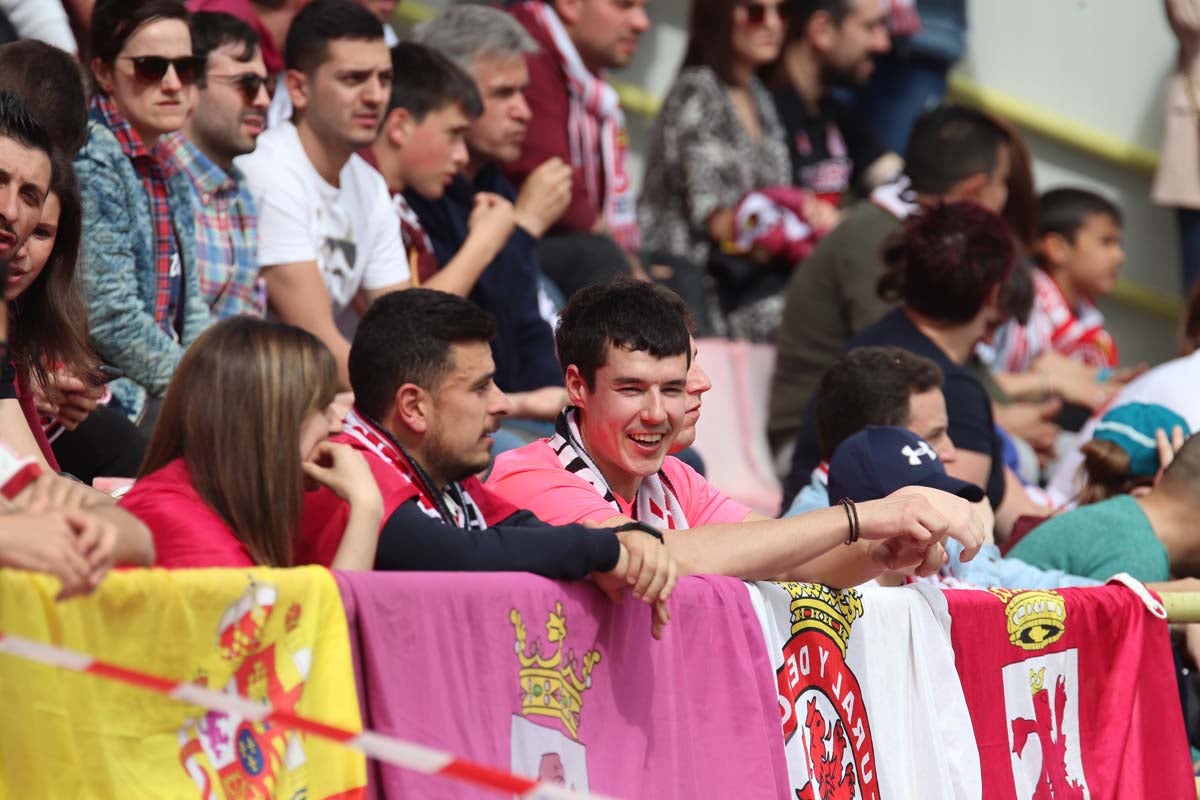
[655,502]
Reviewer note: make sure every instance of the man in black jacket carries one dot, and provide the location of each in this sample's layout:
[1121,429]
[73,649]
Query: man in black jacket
[425,406]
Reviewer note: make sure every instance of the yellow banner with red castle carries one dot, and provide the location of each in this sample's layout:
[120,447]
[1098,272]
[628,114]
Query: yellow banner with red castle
[276,636]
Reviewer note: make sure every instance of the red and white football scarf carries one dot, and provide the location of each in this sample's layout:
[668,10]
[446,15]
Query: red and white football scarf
[655,503]
[463,510]
[1053,325]
[596,131]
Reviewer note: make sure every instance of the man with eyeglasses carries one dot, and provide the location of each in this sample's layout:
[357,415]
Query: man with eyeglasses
[233,94]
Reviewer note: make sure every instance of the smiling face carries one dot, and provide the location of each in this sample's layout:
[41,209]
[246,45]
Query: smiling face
[344,99]
[24,183]
[630,419]
[31,259]
[151,107]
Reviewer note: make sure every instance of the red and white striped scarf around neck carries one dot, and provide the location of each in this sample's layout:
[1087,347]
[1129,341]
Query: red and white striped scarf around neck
[596,131]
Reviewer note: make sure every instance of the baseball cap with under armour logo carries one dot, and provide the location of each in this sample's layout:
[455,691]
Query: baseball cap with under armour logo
[878,460]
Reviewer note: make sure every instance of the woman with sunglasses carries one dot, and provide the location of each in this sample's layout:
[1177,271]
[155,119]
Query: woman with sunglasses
[716,138]
[139,264]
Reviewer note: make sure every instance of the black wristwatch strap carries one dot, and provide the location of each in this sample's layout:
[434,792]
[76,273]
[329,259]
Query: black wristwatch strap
[641,526]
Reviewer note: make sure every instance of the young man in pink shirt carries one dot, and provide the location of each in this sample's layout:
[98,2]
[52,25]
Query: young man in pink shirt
[626,353]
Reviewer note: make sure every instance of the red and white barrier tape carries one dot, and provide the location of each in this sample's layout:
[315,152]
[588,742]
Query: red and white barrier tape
[374,745]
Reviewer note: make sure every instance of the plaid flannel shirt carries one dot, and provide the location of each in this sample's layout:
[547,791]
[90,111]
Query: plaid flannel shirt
[226,232]
[154,170]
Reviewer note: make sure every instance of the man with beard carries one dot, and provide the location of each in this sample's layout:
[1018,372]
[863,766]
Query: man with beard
[328,243]
[233,93]
[425,406]
[830,44]
[579,120]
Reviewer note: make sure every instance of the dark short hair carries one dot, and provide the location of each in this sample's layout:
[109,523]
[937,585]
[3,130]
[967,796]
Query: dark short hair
[800,12]
[947,260]
[51,82]
[212,30]
[114,21]
[948,144]
[424,80]
[634,315]
[1064,211]
[1181,480]
[405,337]
[322,22]
[681,308]
[19,124]
[869,386]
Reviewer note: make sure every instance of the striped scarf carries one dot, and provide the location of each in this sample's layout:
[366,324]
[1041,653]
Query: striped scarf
[596,131]
[655,502]
[454,507]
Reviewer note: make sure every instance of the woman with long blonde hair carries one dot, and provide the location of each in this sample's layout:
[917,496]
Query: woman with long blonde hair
[243,428]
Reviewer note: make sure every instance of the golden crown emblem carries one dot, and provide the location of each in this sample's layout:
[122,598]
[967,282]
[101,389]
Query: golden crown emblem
[818,607]
[1037,680]
[554,686]
[1036,619]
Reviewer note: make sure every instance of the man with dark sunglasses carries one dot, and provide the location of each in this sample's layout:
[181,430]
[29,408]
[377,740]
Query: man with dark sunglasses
[234,91]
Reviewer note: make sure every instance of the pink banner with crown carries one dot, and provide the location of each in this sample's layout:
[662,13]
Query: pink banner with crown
[555,682]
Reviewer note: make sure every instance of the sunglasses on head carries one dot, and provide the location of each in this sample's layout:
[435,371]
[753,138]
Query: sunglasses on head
[756,13]
[152,69]
[248,83]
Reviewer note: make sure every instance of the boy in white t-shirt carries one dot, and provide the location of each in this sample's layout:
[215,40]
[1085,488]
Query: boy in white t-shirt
[328,243]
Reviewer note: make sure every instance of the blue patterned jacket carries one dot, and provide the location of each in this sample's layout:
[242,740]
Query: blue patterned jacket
[117,270]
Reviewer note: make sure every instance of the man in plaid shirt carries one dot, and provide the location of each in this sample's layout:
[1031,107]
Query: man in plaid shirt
[234,93]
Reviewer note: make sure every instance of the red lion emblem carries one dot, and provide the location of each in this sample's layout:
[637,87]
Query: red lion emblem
[825,767]
[1053,783]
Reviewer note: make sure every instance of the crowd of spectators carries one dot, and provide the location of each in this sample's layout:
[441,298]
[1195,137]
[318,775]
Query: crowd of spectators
[323,294]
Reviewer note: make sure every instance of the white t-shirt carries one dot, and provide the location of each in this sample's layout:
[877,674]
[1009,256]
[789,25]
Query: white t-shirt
[1172,384]
[349,230]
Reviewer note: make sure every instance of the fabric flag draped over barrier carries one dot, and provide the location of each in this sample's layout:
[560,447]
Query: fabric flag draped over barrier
[882,693]
[868,694]
[1072,693]
[278,635]
[557,683]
